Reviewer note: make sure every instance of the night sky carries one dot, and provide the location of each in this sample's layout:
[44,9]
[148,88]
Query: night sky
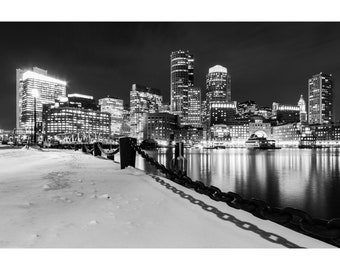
[267,61]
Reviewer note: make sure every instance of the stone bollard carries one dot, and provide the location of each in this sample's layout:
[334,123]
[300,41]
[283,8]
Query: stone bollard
[179,163]
[96,150]
[179,149]
[127,153]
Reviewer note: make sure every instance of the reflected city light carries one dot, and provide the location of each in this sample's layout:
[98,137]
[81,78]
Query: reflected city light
[305,179]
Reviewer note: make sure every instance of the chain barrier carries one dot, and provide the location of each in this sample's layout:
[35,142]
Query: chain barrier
[87,150]
[298,220]
[107,152]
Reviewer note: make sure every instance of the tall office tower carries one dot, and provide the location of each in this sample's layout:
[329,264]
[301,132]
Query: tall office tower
[303,113]
[115,107]
[181,78]
[143,100]
[218,83]
[35,82]
[320,99]
[194,107]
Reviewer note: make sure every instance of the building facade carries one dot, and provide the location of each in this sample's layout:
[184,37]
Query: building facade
[194,107]
[115,107]
[126,124]
[247,108]
[303,111]
[181,78]
[63,118]
[218,83]
[320,99]
[239,132]
[219,133]
[189,135]
[221,113]
[327,132]
[46,88]
[290,132]
[82,101]
[161,127]
[143,100]
[286,113]
[259,124]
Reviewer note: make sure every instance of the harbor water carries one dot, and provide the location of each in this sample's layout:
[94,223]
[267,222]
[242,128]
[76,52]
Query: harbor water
[307,179]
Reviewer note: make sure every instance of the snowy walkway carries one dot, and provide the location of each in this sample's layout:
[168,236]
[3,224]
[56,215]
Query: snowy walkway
[68,199]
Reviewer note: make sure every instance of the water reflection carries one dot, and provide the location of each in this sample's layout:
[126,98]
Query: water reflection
[301,178]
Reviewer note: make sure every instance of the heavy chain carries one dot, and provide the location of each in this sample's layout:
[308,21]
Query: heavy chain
[87,150]
[298,220]
[107,152]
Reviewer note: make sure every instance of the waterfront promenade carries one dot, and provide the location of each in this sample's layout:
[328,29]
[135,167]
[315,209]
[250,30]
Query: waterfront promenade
[64,198]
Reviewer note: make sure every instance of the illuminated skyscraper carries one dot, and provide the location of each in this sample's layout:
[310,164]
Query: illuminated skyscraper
[303,112]
[320,99]
[218,83]
[143,100]
[194,107]
[48,89]
[181,78]
[115,107]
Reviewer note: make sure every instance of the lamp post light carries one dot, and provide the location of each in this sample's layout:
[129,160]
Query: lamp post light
[35,94]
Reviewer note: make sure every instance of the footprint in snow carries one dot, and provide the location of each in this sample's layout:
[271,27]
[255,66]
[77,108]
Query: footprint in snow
[46,187]
[35,236]
[78,194]
[93,222]
[104,196]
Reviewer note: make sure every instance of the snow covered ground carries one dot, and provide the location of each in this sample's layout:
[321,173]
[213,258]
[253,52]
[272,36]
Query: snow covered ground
[64,198]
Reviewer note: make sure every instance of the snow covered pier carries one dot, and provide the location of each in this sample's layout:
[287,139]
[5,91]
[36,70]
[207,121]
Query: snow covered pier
[64,198]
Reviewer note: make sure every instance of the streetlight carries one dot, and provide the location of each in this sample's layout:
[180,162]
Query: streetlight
[35,94]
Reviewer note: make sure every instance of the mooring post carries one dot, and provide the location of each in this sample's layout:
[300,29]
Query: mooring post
[83,149]
[179,163]
[96,150]
[127,153]
[179,149]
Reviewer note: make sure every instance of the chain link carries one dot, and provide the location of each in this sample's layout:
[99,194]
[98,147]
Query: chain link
[328,231]
[87,150]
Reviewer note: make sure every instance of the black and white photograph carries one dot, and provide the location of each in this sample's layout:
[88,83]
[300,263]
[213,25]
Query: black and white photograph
[158,133]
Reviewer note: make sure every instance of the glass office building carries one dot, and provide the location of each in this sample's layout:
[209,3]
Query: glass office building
[48,89]
[65,118]
[320,99]
[115,107]
[218,84]
[181,78]
[143,100]
[194,107]
[222,113]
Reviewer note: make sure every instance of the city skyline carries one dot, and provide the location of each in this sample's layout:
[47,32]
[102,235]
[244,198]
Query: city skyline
[258,55]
